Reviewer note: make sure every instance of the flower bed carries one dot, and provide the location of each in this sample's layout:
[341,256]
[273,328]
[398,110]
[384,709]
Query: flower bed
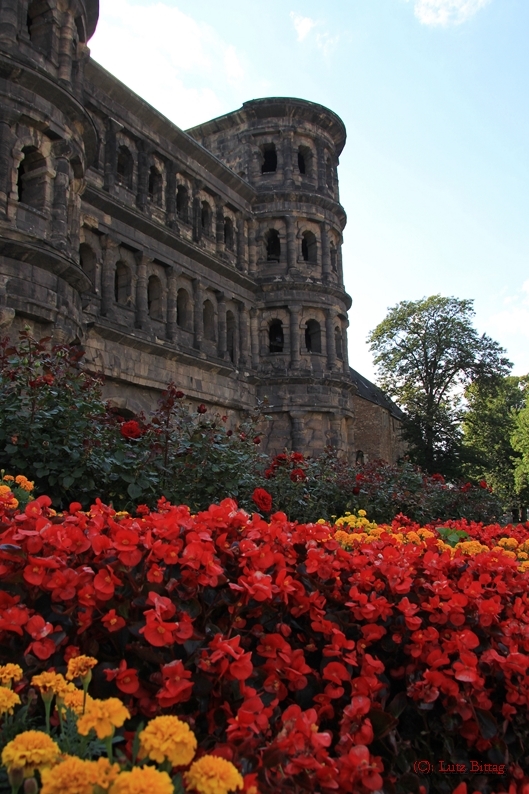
[343,658]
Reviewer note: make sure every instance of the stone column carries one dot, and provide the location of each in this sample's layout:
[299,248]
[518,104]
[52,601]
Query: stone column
[292,252]
[110,247]
[287,161]
[142,306]
[144,158]
[7,141]
[59,215]
[322,174]
[252,248]
[325,252]
[329,337]
[298,431]
[222,349]
[295,314]
[171,305]
[242,263]
[66,47]
[219,225]
[111,154]
[198,313]
[9,21]
[170,198]
[197,224]
[254,338]
[340,262]
[345,351]
[245,335]
[336,431]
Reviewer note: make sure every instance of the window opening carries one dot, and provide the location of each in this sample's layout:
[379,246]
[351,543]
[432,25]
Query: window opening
[122,284]
[338,343]
[87,260]
[31,181]
[154,298]
[155,186]
[205,217]
[182,309]
[230,335]
[229,237]
[208,314]
[269,164]
[273,246]
[309,247]
[125,167]
[182,202]
[313,336]
[276,337]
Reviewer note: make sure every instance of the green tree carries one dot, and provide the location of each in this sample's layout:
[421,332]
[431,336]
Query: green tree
[427,352]
[488,426]
[520,443]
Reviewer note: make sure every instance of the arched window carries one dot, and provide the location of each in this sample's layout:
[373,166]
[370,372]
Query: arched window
[87,260]
[154,298]
[276,337]
[229,236]
[155,186]
[313,336]
[230,335]
[359,459]
[208,315]
[305,160]
[334,255]
[32,175]
[40,26]
[125,167]
[205,217]
[329,173]
[269,164]
[273,245]
[183,318]
[123,284]
[338,342]
[309,247]
[182,203]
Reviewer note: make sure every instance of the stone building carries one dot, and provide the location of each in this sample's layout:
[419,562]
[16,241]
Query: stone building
[210,257]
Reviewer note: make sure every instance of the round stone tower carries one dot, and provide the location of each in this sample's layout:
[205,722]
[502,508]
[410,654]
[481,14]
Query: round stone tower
[47,140]
[288,149]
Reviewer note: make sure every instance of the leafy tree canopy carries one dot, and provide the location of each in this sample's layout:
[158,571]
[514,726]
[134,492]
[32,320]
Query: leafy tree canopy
[427,352]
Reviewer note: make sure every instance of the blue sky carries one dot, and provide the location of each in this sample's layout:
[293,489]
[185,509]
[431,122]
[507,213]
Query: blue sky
[434,176]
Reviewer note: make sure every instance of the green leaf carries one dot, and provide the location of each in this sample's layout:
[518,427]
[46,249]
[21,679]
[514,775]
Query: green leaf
[134,490]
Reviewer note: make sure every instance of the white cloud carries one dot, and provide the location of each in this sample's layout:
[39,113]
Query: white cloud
[447,12]
[302,25]
[180,66]
[510,326]
[326,43]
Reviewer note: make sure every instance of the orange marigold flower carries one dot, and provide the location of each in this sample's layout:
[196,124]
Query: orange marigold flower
[141,780]
[103,716]
[168,738]
[29,751]
[75,700]
[213,775]
[75,776]
[9,673]
[8,700]
[80,667]
[50,682]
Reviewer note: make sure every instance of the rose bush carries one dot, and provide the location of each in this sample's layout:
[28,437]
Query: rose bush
[315,657]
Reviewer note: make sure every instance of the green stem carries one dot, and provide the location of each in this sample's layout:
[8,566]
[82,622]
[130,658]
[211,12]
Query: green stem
[47,710]
[108,743]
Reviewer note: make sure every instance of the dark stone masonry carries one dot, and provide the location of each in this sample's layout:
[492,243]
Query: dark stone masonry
[210,257]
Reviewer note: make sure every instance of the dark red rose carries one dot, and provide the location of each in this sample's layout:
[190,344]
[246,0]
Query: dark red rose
[297,475]
[179,395]
[130,429]
[262,499]
[257,440]
[201,409]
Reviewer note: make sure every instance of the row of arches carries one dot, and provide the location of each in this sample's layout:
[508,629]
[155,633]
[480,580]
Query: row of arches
[308,248]
[304,158]
[312,337]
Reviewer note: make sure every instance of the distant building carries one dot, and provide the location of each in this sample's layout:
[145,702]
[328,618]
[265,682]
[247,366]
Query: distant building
[210,257]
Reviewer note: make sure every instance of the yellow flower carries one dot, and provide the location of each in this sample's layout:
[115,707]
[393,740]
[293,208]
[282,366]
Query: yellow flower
[50,682]
[362,513]
[29,751]
[524,566]
[213,775]
[522,555]
[4,489]
[104,716]
[75,700]
[471,547]
[10,672]
[168,738]
[8,700]
[80,667]
[508,543]
[8,478]
[141,780]
[75,776]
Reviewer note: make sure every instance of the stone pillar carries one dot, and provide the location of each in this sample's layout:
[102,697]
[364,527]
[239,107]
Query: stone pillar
[83,55]
[292,253]
[322,173]
[9,21]
[142,306]
[325,252]
[222,348]
[171,305]
[252,249]
[170,198]
[295,314]
[144,152]
[7,141]
[298,431]
[336,431]
[111,154]
[242,262]
[254,338]
[340,262]
[254,163]
[245,335]
[219,225]
[198,313]
[197,214]
[66,47]
[287,161]
[59,215]
[329,337]
[110,256]
[345,351]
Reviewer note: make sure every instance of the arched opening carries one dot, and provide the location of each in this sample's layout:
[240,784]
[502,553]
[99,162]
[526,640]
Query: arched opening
[338,342]
[269,164]
[124,167]
[183,318]
[230,335]
[305,160]
[334,255]
[313,336]
[88,262]
[31,181]
[40,26]
[122,284]
[182,203]
[208,316]
[229,236]
[329,173]
[273,245]
[205,217]
[155,186]
[309,247]
[276,337]
[154,298]
[359,458]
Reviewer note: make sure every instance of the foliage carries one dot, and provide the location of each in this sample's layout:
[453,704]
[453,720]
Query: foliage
[312,656]
[520,443]
[427,352]
[489,423]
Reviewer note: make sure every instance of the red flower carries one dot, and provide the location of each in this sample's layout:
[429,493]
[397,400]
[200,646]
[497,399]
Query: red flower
[112,622]
[297,475]
[262,499]
[130,429]
[126,678]
[201,409]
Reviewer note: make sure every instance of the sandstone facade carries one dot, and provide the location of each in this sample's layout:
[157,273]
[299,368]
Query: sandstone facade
[210,257]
